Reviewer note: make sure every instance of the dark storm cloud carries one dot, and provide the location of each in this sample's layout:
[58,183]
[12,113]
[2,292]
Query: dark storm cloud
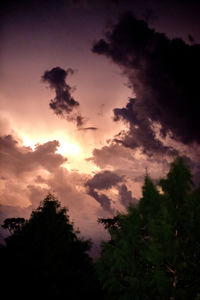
[140,133]
[63,104]
[125,196]
[17,159]
[102,199]
[104,180]
[164,76]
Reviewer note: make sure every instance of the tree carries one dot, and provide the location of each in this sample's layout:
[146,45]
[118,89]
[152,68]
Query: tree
[182,202]
[13,224]
[119,266]
[46,258]
[154,249]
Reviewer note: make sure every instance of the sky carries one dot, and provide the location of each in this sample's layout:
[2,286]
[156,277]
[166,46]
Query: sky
[93,96]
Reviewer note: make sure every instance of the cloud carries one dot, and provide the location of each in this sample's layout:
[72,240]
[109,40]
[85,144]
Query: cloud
[125,196]
[163,73]
[63,104]
[102,199]
[88,128]
[104,180]
[131,165]
[20,165]
[128,162]
[112,155]
[27,175]
[140,133]
[17,159]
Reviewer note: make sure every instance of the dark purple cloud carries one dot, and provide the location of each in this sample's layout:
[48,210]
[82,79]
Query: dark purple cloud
[102,199]
[104,180]
[140,133]
[63,104]
[125,196]
[163,74]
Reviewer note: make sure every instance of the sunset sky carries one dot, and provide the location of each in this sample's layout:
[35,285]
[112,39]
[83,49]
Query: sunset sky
[92,98]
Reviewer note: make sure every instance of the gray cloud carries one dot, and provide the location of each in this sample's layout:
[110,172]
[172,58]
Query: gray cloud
[104,180]
[17,159]
[125,196]
[112,155]
[88,128]
[102,199]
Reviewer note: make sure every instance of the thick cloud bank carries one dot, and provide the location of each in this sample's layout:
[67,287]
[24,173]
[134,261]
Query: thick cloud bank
[163,74]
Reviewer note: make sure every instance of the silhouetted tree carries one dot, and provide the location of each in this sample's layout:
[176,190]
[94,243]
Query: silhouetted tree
[182,256]
[13,224]
[154,249]
[45,258]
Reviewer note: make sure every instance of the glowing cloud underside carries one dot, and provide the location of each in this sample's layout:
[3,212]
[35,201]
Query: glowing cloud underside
[65,148]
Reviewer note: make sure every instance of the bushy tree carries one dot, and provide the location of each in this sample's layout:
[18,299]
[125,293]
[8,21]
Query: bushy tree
[154,249]
[45,258]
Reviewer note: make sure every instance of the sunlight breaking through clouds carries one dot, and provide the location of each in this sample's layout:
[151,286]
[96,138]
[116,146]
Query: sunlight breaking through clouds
[66,148]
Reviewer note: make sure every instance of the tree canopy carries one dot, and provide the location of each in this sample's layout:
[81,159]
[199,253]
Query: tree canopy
[154,248]
[45,257]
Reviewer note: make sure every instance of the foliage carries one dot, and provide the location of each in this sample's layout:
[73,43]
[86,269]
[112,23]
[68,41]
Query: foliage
[13,224]
[154,249]
[45,258]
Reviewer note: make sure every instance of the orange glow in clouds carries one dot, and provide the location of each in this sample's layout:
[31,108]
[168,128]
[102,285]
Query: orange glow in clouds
[66,148]
[72,150]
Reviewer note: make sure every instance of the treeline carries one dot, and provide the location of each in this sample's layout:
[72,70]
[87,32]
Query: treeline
[153,251]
